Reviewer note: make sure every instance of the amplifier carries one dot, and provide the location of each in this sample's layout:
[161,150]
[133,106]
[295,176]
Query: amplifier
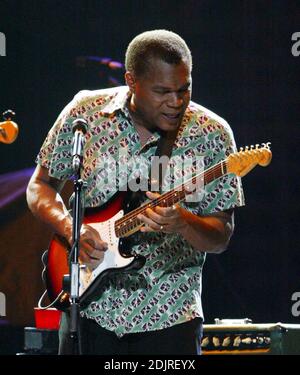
[271,338]
[40,341]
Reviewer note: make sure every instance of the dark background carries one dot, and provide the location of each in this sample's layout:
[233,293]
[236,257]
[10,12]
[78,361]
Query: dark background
[243,70]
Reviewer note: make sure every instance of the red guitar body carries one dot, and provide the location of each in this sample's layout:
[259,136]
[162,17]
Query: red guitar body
[57,264]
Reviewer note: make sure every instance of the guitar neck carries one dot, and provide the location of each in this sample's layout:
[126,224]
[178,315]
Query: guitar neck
[129,223]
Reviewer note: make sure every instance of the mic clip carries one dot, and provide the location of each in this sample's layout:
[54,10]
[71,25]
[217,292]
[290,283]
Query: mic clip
[79,129]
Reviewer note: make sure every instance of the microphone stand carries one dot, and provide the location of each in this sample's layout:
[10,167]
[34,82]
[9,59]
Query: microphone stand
[74,266]
[77,210]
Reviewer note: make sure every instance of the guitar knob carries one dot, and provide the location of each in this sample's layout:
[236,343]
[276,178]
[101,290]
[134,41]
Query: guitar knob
[267,340]
[226,341]
[237,341]
[247,340]
[216,341]
[205,342]
[260,340]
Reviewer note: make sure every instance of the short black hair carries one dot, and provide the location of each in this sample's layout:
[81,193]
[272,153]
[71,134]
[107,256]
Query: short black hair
[163,44]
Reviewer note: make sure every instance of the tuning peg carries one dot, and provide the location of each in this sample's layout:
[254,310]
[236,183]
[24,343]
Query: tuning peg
[252,147]
[247,148]
[241,149]
[257,146]
[266,145]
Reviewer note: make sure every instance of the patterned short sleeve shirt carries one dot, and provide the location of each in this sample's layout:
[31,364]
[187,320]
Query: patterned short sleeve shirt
[167,290]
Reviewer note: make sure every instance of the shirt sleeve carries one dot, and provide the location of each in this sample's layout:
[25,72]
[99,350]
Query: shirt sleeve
[56,151]
[225,192]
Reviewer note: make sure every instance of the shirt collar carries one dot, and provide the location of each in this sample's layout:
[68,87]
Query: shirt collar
[118,102]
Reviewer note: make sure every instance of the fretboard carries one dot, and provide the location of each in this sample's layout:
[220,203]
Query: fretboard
[129,223]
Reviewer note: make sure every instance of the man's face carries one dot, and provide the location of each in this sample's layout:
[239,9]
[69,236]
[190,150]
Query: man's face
[161,96]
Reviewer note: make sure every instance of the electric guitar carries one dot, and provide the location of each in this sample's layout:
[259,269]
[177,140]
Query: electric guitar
[114,226]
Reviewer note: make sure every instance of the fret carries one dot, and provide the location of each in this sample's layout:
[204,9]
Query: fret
[130,222]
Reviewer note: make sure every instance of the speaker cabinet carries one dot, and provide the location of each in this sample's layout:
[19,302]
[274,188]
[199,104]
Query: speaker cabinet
[40,341]
[247,339]
[271,338]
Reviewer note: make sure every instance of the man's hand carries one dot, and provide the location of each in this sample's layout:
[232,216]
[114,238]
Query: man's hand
[210,233]
[162,219]
[92,247]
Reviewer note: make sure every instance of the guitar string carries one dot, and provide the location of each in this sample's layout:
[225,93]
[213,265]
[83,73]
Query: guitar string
[208,173]
[179,189]
[131,217]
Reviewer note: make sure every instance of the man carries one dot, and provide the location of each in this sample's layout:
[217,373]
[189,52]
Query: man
[156,310]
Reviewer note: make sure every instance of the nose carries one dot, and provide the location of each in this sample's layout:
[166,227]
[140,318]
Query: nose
[175,100]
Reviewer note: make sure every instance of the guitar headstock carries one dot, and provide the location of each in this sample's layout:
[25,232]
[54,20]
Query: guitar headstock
[240,163]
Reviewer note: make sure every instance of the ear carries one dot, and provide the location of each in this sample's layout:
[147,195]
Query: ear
[130,81]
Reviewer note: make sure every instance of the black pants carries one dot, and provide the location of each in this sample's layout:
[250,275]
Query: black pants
[181,339]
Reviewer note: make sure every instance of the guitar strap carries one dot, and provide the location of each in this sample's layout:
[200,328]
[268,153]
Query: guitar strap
[161,159]
[158,168]
[159,165]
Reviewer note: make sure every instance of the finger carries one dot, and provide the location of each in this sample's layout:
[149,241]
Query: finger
[152,224]
[152,195]
[160,219]
[93,263]
[146,228]
[84,257]
[88,251]
[167,211]
[91,256]
[100,245]
[86,247]
[97,254]
[95,244]
[91,236]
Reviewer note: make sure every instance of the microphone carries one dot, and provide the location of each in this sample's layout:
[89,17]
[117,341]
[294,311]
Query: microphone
[84,61]
[79,129]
